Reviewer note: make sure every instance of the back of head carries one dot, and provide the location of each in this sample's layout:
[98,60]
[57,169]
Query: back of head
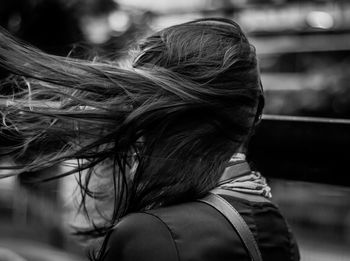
[212,61]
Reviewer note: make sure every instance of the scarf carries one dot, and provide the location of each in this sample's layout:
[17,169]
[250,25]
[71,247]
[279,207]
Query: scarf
[240,178]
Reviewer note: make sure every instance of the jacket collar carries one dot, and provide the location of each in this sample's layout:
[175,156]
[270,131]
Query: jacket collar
[235,170]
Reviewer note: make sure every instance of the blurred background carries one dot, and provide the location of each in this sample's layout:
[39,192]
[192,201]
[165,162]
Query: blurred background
[304,54]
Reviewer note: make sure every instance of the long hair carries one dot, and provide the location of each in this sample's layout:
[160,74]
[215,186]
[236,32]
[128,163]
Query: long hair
[183,106]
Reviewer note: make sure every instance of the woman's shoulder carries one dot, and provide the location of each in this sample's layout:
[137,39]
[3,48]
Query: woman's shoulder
[141,236]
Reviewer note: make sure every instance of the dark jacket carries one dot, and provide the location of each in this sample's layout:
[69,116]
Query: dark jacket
[196,231]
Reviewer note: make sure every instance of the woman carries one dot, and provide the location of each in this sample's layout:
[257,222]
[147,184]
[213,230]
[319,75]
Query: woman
[164,128]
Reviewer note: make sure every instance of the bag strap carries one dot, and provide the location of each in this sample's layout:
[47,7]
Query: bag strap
[236,220]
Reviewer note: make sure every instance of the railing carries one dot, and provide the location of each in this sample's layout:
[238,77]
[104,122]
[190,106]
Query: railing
[303,148]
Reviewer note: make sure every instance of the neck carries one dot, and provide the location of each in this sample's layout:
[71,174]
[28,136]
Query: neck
[237,157]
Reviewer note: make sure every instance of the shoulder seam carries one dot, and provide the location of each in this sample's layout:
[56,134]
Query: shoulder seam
[170,232]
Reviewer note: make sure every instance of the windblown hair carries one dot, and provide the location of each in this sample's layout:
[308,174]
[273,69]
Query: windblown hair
[180,110]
